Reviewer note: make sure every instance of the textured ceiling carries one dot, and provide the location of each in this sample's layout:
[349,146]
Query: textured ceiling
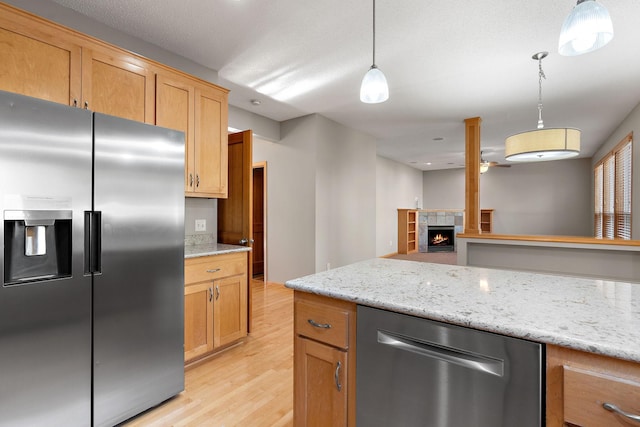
[444,61]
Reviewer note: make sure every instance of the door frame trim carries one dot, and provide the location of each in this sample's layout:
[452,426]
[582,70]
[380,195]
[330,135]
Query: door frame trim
[263,165]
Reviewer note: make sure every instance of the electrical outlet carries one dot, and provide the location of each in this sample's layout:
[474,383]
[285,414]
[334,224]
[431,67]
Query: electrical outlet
[201,225]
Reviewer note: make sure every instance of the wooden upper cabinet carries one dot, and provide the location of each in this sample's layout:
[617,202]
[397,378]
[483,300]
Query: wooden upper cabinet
[175,109]
[38,60]
[211,163]
[44,60]
[201,112]
[117,84]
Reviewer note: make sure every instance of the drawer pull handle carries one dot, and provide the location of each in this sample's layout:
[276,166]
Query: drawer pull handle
[215,270]
[613,408]
[337,376]
[319,325]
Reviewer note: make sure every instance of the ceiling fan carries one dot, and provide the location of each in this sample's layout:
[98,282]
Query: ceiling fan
[485,165]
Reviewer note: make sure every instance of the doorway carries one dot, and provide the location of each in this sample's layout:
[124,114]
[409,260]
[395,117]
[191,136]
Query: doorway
[260,221]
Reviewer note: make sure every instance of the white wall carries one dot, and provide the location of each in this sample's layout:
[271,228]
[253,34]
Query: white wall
[290,200]
[443,189]
[630,124]
[543,198]
[397,186]
[345,194]
[321,197]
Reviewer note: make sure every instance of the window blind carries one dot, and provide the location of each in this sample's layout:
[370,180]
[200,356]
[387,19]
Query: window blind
[612,192]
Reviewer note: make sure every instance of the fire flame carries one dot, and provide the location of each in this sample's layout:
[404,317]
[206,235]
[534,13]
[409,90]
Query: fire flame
[439,238]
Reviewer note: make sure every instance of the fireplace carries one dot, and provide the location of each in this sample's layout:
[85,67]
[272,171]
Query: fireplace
[441,238]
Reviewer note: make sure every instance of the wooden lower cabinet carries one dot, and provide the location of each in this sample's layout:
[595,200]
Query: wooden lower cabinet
[320,379]
[215,303]
[198,320]
[229,310]
[579,384]
[324,361]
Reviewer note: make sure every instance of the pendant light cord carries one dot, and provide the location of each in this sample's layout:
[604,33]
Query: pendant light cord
[374,34]
[540,77]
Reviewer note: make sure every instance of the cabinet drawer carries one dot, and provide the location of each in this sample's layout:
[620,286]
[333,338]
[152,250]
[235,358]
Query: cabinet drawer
[322,323]
[585,392]
[214,267]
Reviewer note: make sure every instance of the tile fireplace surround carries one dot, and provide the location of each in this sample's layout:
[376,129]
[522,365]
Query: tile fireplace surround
[435,217]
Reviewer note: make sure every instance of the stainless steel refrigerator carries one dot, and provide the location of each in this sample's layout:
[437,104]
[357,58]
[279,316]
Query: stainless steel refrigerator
[91,302]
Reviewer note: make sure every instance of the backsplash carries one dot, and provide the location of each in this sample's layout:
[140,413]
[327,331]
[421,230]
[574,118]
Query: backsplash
[199,239]
[196,209]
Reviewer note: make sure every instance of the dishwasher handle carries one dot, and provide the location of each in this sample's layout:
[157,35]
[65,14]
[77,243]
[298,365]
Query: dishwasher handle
[447,354]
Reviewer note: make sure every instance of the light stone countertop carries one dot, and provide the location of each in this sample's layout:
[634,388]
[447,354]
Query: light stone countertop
[205,249]
[596,316]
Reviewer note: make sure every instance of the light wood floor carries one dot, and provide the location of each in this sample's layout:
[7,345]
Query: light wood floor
[248,385]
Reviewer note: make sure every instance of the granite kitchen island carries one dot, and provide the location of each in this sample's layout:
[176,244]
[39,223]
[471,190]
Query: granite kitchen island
[586,324]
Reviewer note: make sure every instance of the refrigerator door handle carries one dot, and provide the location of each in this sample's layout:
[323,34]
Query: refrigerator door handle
[92,242]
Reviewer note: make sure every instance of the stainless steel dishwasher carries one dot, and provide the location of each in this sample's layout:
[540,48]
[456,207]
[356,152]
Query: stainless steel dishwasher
[417,372]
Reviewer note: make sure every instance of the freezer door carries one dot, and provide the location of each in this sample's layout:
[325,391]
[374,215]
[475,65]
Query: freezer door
[45,300]
[138,295]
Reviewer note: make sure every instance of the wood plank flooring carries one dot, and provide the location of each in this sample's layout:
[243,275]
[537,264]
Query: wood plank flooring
[248,385]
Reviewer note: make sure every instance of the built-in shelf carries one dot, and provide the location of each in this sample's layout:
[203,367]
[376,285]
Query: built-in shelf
[486,221]
[407,231]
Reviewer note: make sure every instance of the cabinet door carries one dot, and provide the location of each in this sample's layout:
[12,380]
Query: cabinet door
[229,309]
[198,320]
[320,384]
[175,110]
[116,84]
[211,147]
[37,61]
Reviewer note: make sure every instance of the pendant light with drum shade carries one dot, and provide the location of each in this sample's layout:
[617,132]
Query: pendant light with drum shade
[587,28]
[374,88]
[543,143]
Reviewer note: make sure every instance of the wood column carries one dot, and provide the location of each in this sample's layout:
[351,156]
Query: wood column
[472,176]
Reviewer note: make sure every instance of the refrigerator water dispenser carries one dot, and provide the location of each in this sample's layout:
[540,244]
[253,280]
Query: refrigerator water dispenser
[37,245]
